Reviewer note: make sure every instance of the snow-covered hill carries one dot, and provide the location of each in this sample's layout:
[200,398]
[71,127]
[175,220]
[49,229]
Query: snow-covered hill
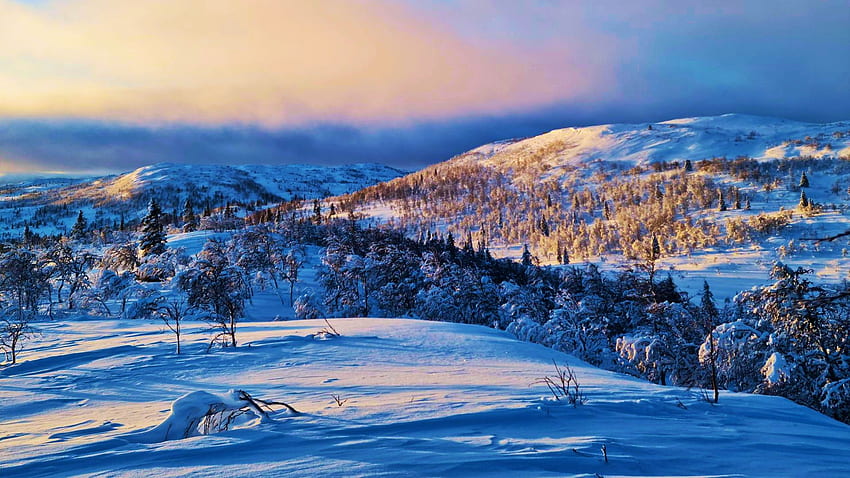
[51,205]
[600,193]
[729,135]
[417,399]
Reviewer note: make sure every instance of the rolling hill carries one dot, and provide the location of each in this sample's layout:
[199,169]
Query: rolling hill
[722,195]
[51,205]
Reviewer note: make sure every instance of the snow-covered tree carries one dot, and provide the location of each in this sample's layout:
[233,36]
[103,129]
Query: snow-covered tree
[190,219]
[152,240]
[212,283]
[78,231]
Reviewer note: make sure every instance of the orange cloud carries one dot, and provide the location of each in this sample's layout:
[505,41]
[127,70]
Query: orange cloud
[264,61]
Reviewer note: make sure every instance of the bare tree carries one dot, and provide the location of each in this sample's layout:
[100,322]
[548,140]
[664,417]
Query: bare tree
[172,310]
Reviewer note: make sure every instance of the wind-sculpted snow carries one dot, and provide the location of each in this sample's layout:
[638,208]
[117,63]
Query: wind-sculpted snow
[419,399]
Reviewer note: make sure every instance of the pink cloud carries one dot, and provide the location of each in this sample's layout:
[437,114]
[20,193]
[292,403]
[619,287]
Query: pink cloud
[268,62]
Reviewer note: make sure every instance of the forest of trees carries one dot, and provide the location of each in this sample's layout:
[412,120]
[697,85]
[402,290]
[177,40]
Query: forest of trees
[600,208]
[787,339]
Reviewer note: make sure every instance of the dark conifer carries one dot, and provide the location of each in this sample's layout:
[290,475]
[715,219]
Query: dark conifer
[153,234]
[79,229]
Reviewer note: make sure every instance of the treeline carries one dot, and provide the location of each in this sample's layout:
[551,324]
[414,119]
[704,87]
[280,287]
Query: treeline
[789,338]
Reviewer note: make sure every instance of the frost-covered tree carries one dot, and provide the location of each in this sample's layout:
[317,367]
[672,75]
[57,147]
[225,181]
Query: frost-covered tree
[15,329]
[804,180]
[22,283]
[218,287]
[190,219]
[808,359]
[307,306]
[121,257]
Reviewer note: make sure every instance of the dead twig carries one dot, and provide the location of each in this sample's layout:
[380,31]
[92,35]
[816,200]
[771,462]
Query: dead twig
[564,385]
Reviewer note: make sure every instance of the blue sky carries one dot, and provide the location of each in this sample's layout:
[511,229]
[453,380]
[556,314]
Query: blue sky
[104,85]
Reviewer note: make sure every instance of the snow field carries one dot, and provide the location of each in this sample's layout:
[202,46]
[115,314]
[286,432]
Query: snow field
[420,399]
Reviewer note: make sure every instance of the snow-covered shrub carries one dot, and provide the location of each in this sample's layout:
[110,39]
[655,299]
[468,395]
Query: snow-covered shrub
[202,413]
[307,306]
[160,267]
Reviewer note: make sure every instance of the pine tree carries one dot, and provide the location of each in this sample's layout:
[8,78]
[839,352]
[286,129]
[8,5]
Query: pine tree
[710,313]
[153,235]
[28,237]
[526,256]
[804,181]
[450,240]
[737,197]
[544,226]
[79,229]
[190,219]
[655,252]
[721,200]
[804,200]
[317,211]
[689,166]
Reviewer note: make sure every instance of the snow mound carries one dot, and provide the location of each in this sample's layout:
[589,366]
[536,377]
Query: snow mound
[202,413]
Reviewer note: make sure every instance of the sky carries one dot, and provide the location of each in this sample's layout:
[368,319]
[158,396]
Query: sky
[108,85]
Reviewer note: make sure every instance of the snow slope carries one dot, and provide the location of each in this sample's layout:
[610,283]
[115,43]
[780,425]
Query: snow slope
[729,135]
[422,399]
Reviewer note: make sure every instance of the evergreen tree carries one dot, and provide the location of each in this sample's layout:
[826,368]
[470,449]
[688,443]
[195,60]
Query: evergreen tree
[688,166]
[79,229]
[747,204]
[710,314]
[544,226]
[804,200]
[190,219]
[804,180]
[526,256]
[565,257]
[721,200]
[153,235]
[29,237]
[655,251]
[317,211]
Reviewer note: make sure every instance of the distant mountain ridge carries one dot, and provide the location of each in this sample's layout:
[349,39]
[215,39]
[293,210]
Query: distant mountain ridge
[49,205]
